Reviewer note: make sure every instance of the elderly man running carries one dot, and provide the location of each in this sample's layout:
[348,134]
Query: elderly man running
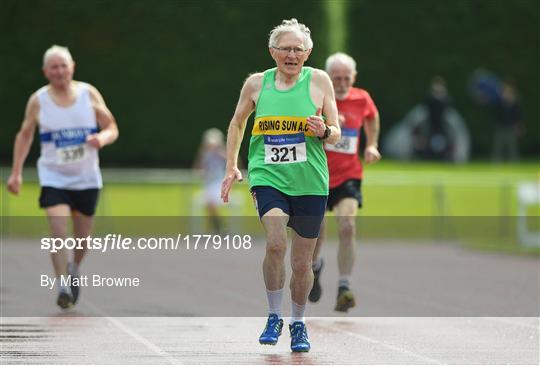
[356,110]
[68,114]
[288,173]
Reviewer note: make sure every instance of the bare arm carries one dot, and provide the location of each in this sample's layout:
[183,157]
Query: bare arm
[372,127]
[23,142]
[244,108]
[105,119]
[329,109]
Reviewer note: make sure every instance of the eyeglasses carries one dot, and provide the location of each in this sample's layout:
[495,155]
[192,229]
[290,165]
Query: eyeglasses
[341,78]
[286,50]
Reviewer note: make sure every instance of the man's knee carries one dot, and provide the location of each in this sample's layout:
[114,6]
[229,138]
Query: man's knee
[58,228]
[276,248]
[347,227]
[301,266]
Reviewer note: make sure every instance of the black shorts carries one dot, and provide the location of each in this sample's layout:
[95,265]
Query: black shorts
[350,188]
[84,200]
[305,212]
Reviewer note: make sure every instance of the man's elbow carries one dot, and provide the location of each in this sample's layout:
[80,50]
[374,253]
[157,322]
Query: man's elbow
[112,131]
[337,134]
[236,124]
[115,130]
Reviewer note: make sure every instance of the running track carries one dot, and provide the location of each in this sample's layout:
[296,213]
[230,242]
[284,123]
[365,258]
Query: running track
[419,304]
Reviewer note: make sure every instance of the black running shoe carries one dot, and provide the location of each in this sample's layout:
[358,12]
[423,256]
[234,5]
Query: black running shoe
[345,299]
[316,290]
[65,300]
[75,290]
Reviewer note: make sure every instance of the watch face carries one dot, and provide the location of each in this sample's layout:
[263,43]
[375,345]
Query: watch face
[327,132]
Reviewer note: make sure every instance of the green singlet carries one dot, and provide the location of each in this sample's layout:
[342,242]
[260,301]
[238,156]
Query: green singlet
[283,153]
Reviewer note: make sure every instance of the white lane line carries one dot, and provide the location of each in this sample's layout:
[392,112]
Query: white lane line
[151,346]
[511,321]
[460,312]
[426,359]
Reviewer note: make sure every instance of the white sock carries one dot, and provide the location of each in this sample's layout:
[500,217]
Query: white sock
[73,269]
[297,313]
[274,301]
[63,287]
[344,281]
[317,264]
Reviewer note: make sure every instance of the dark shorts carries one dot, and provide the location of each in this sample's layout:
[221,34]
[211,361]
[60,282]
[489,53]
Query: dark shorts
[305,212]
[84,201]
[351,188]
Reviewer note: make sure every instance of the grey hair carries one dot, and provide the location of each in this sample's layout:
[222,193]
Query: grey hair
[213,136]
[340,58]
[290,26]
[57,50]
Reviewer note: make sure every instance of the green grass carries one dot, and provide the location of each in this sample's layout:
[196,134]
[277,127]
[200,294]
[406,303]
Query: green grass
[379,200]
[404,190]
[389,189]
[132,199]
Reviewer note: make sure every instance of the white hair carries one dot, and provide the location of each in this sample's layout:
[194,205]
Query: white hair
[290,26]
[213,136]
[57,50]
[340,58]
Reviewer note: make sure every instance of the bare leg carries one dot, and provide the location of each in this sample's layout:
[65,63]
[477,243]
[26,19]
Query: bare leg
[346,211]
[275,226]
[317,264]
[82,228]
[320,240]
[302,276]
[301,283]
[213,216]
[58,217]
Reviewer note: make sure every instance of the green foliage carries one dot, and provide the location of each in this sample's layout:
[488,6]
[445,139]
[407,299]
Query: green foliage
[167,69]
[171,69]
[401,45]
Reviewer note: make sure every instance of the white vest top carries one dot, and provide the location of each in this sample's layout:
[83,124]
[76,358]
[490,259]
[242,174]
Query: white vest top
[66,160]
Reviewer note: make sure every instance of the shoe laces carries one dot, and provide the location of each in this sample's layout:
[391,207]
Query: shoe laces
[273,323]
[299,332]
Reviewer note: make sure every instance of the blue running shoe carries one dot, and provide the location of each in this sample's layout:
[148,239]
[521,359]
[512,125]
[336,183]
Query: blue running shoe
[272,331]
[299,337]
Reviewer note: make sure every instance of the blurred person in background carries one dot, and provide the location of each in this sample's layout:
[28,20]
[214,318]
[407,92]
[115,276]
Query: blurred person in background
[501,99]
[431,130]
[211,160]
[432,138]
[484,87]
[74,123]
[437,103]
[508,123]
[356,110]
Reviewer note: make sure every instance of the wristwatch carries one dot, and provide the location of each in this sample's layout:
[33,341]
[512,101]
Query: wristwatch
[327,133]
